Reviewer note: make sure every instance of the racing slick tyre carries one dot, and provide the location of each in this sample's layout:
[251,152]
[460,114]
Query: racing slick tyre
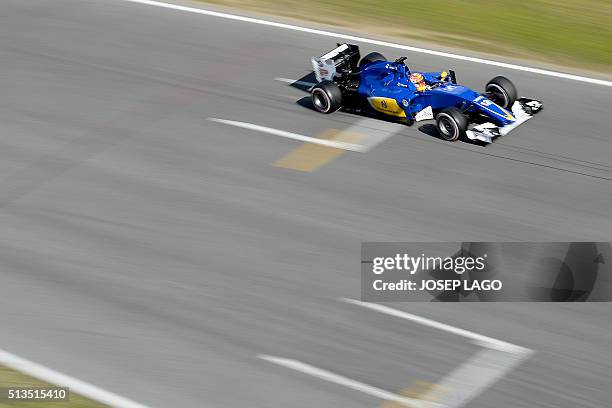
[501,91]
[451,124]
[371,57]
[326,97]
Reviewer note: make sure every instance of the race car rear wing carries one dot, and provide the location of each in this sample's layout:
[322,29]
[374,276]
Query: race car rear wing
[336,63]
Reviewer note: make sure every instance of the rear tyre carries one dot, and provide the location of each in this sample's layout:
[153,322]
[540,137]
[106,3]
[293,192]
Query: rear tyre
[502,91]
[326,97]
[451,124]
[371,57]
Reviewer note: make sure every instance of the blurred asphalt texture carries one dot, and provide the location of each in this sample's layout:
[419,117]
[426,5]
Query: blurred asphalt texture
[154,253]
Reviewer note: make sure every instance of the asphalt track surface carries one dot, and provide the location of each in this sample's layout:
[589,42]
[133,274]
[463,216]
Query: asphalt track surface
[155,253]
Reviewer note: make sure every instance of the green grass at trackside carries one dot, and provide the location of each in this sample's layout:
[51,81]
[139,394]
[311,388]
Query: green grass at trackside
[11,378]
[573,33]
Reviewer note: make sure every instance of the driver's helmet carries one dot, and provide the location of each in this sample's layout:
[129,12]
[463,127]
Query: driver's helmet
[418,80]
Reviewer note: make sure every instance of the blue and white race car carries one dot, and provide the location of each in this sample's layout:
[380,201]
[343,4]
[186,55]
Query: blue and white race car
[389,87]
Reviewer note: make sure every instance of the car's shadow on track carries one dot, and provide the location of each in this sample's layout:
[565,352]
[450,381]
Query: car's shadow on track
[430,130]
[306,82]
[306,102]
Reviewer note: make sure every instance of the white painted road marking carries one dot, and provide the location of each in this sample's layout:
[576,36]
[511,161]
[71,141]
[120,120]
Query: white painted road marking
[479,339]
[462,385]
[346,382]
[375,42]
[63,380]
[330,143]
[477,374]
[295,81]
[377,131]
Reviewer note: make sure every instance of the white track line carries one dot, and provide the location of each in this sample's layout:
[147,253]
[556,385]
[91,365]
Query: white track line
[474,376]
[330,143]
[481,340]
[346,382]
[295,81]
[372,41]
[377,131]
[63,380]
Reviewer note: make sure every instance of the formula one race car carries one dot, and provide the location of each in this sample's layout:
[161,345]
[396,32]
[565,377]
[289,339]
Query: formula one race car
[389,87]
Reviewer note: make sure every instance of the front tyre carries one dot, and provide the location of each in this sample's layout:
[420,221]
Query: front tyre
[451,124]
[501,91]
[326,97]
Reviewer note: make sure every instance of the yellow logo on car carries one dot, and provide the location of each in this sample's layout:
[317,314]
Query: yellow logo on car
[387,106]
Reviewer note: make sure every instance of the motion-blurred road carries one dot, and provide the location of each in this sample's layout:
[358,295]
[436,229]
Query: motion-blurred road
[152,252]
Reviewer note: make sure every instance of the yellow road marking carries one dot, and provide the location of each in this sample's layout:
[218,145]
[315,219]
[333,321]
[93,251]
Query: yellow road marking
[310,157]
[422,390]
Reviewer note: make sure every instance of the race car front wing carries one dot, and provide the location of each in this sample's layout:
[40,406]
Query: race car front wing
[523,110]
